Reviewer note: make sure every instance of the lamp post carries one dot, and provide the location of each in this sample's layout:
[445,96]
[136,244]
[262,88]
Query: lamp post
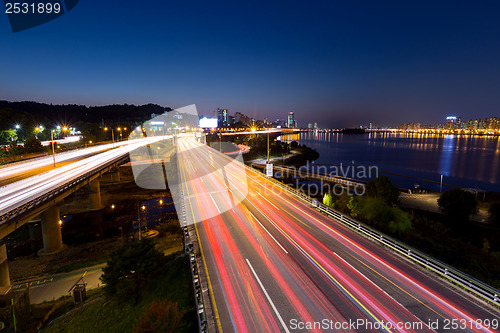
[52,141]
[441,185]
[112,135]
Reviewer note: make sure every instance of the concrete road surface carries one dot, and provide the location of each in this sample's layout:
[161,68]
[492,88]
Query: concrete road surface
[52,287]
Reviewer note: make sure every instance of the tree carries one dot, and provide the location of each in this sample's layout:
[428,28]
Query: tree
[383,216]
[131,267]
[458,204]
[8,137]
[495,213]
[33,145]
[342,202]
[328,200]
[161,316]
[382,188]
[93,132]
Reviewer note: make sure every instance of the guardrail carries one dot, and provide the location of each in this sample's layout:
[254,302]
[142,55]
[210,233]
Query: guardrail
[465,281]
[309,174]
[54,192]
[193,260]
[200,307]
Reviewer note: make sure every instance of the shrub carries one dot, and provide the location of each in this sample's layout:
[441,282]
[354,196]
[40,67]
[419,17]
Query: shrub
[161,316]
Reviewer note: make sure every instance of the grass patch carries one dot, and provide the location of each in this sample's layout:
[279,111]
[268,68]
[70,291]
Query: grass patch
[46,311]
[77,265]
[111,315]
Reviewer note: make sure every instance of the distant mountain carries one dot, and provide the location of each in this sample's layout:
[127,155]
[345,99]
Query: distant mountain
[73,113]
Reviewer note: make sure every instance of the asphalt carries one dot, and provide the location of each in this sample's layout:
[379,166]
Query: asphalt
[50,287]
[275,263]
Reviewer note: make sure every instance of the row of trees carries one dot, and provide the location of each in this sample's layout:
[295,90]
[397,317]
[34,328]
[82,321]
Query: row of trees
[379,206]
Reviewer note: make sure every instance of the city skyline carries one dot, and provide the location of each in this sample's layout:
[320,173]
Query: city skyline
[343,64]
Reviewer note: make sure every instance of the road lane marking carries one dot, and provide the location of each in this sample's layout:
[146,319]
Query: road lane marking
[324,271]
[211,291]
[268,201]
[267,296]
[256,219]
[376,286]
[215,204]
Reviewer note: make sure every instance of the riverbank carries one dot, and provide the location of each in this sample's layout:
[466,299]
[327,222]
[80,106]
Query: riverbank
[413,161]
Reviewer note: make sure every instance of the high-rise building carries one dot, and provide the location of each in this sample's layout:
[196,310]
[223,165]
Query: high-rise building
[310,125]
[221,117]
[453,122]
[291,120]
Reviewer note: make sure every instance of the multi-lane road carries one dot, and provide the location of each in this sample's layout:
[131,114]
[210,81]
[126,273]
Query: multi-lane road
[22,186]
[275,264]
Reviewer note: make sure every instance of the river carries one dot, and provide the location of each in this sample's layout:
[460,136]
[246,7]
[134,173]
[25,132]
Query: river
[411,159]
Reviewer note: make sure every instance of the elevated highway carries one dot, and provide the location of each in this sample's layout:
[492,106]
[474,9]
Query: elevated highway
[40,194]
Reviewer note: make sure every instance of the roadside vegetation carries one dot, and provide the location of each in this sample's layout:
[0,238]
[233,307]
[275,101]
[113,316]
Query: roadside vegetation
[450,237]
[146,291]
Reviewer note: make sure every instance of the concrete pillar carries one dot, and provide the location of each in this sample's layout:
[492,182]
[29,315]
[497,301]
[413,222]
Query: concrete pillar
[4,271]
[33,226]
[95,195]
[115,175]
[51,232]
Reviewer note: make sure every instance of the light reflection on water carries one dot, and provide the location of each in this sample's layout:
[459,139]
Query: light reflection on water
[466,161]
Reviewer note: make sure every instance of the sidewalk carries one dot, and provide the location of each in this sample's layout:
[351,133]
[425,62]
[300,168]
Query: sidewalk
[51,287]
[263,161]
[428,202]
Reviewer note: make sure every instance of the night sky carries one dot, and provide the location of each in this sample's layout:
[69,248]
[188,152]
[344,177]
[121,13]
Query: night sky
[338,63]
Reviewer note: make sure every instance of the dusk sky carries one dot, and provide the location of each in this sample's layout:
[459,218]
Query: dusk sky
[338,63]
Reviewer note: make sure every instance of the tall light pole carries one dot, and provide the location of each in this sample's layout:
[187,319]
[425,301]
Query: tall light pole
[53,152]
[267,147]
[112,135]
[441,185]
[220,141]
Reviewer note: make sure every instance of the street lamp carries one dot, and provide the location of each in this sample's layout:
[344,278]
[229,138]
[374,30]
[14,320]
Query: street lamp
[53,152]
[112,136]
[268,148]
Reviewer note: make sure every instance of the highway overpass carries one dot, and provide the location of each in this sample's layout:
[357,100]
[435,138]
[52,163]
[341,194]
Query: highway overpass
[275,263]
[28,193]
